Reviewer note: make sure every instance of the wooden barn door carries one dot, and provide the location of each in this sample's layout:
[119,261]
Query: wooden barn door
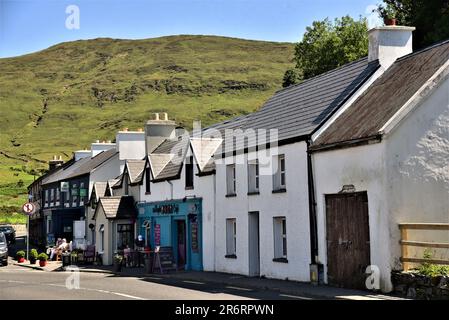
[348,242]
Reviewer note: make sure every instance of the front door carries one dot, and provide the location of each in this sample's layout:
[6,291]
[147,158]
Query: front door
[348,242]
[181,242]
[254,250]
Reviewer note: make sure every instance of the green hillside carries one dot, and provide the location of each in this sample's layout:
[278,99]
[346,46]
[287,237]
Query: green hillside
[61,99]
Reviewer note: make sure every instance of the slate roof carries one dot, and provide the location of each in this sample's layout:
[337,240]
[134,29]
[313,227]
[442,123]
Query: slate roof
[135,170]
[112,183]
[122,207]
[100,189]
[297,111]
[81,167]
[372,110]
[178,148]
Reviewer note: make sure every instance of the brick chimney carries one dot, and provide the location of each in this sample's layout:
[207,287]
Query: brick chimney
[158,130]
[55,162]
[389,43]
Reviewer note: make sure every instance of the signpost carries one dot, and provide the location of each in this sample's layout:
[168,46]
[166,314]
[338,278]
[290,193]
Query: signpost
[28,209]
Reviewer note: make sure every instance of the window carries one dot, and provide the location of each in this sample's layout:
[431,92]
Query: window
[82,194]
[279,183]
[147,180]
[74,195]
[230,179]
[125,235]
[49,225]
[46,198]
[52,197]
[280,238]
[253,176]
[231,238]
[189,173]
[58,196]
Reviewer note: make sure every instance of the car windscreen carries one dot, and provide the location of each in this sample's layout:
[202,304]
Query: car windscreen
[5,229]
[2,238]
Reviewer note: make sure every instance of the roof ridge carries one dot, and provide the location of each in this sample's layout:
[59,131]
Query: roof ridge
[324,74]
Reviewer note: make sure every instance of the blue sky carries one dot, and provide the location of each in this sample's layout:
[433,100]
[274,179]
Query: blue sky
[31,25]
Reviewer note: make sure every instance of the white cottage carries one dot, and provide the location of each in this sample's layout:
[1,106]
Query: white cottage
[382,160]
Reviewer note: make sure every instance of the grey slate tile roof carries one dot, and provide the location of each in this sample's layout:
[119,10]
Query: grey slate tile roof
[371,111]
[173,168]
[300,109]
[122,207]
[135,170]
[81,167]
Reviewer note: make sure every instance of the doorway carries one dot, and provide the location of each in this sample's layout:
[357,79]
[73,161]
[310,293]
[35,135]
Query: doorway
[348,241]
[181,244]
[254,244]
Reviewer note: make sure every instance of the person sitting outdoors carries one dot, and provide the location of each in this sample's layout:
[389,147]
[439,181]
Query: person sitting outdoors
[59,249]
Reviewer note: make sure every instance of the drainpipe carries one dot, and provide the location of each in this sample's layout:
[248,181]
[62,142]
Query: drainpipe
[171,189]
[312,208]
[215,221]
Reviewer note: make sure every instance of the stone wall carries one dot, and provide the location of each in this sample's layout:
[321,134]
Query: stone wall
[416,286]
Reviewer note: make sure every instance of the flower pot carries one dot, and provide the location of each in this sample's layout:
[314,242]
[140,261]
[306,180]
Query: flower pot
[21,260]
[32,261]
[390,21]
[42,263]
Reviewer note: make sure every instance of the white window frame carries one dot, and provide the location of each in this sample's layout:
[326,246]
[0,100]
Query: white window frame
[231,237]
[46,198]
[230,180]
[58,196]
[280,237]
[253,176]
[280,176]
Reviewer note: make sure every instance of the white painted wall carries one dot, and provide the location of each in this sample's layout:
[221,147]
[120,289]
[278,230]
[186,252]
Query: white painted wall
[293,205]
[110,169]
[98,147]
[130,145]
[406,178]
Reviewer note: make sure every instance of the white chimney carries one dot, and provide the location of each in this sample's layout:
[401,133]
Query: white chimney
[389,43]
[98,147]
[80,154]
[157,130]
[130,145]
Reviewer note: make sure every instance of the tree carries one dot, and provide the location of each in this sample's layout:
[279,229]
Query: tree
[327,45]
[430,17]
[291,77]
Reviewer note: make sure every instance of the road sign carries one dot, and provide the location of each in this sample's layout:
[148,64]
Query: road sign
[28,208]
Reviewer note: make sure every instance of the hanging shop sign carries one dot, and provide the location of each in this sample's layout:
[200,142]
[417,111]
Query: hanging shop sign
[166,208]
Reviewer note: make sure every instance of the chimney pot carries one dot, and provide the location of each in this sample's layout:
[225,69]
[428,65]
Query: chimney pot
[165,116]
[156,116]
[140,130]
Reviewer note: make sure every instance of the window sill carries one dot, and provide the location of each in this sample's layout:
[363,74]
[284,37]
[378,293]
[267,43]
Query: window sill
[279,191]
[254,193]
[147,193]
[230,256]
[189,188]
[231,195]
[281,260]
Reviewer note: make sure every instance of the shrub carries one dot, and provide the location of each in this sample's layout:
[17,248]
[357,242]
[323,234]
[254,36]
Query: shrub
[42,257]
[432,270]
[20,254]
[33,254]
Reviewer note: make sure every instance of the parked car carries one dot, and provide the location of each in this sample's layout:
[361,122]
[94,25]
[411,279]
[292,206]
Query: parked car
[9,232]
[3,249]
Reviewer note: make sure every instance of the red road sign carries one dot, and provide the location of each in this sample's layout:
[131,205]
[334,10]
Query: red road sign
[28,208]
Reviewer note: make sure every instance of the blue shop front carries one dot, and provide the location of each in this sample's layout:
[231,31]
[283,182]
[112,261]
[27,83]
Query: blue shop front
[176,224]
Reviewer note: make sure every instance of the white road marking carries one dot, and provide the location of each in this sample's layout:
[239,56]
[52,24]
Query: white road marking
[238,288]
[294,297]
[194,282]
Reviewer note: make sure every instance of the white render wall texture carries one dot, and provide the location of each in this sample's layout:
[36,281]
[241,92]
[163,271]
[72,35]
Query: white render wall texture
[292,204]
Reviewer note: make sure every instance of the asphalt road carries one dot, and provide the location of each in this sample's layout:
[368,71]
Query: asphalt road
[23,283]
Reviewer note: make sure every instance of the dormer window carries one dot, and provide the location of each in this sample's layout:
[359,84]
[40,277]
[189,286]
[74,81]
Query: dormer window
[147,180]
[189,173]
[125,185]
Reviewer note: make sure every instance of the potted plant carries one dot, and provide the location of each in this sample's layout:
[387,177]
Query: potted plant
[20,256]
[33,256]
[118,259]
[42,259]
[388,13]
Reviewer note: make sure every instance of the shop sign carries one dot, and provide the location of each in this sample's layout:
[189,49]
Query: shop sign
[194,231]
[166,208]
[83,192]
[64,187]
[157,234]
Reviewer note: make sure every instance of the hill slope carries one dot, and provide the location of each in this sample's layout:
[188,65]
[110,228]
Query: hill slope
[62,98]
